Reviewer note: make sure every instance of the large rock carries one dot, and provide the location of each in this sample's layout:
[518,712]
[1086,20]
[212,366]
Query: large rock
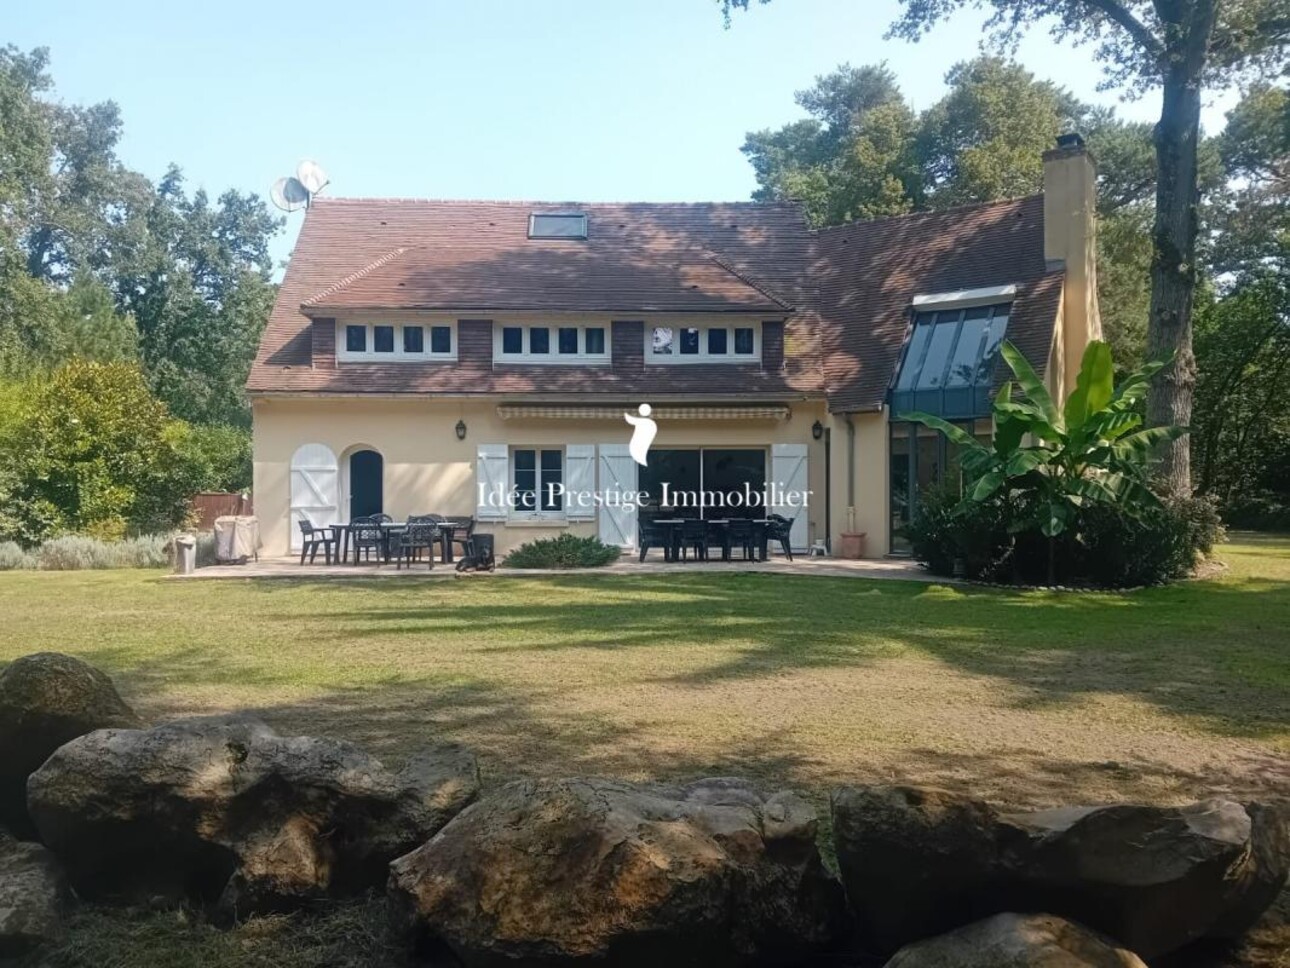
[33,893]
[920,862]
[568,871]
[229,809]
[1017,941]
[46,700]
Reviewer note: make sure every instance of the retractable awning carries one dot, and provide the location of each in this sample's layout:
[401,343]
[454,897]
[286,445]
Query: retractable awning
[733,412]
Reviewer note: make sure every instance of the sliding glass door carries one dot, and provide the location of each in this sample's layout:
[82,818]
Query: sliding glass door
[709,483]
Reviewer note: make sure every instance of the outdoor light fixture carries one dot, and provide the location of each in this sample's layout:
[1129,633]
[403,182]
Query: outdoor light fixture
[461,430]
[817,430]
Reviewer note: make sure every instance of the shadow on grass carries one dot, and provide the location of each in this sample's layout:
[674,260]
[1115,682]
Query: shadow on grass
[1215,653]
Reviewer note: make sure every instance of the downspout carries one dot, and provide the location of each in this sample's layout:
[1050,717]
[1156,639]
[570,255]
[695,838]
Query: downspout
[851,473]
[828,489]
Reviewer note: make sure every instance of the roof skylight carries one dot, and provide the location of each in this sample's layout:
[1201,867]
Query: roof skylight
[557,225]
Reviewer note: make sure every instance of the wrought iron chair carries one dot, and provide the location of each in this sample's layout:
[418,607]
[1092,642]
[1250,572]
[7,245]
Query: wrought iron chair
[463,529]
[420,534]
[694,536]
[366,535]
[779,528]
[313,539]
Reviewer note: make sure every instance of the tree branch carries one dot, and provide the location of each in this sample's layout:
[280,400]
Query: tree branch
[1119,14]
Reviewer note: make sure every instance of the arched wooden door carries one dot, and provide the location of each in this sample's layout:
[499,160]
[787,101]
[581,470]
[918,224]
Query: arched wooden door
[366,484]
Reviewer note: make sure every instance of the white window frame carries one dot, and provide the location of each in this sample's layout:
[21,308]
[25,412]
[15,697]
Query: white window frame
[703,356]
[554,357]
[370,355]
[517,513]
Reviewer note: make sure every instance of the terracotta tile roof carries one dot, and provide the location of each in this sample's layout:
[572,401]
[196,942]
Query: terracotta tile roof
[849,289]
[530,274]
[867,274]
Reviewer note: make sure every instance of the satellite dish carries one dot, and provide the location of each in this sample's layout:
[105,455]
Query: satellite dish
[311,175]
[289,194]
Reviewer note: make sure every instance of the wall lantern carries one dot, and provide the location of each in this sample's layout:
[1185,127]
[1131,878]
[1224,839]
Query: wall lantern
[461,430]
[817,430]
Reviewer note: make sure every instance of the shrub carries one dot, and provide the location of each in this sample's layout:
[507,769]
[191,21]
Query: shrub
[77,552]
[566,551]
[1104,545]
[13,558]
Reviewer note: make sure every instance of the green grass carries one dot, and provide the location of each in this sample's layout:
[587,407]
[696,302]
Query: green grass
[1030,698]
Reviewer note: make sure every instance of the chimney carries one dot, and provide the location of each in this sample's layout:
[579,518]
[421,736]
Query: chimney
[1070,243]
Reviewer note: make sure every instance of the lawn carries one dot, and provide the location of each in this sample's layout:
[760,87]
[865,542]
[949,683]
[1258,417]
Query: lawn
[1029,698]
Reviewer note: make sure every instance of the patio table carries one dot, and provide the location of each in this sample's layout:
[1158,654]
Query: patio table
[446,531]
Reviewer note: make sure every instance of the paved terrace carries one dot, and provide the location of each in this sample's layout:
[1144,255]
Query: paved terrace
[290,567]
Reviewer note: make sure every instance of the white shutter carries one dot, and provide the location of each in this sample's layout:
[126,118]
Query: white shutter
[580,481]
[789,473]
[617,474]
[492,481]
[315,491]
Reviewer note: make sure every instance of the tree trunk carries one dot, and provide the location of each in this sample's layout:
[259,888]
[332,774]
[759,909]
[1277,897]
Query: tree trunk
[1188,27]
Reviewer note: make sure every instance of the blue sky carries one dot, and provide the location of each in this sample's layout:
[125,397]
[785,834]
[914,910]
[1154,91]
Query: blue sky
[593,100]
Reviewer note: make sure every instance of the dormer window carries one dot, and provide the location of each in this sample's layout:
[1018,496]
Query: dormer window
[549,343]
[557,225]
[400,342]
[703,344]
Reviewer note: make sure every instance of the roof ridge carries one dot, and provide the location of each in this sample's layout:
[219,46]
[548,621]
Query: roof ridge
[749,281]
[353,277]
[401,199]
[930,213]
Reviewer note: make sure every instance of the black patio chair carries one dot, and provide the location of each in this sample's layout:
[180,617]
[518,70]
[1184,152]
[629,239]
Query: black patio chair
[650,535]
[694,536]
[382,519]
[367,536]
[313,539]
[463,528]
[740,534]
[779,528]
[419,535]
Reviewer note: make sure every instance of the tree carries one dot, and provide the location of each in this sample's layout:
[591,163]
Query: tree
[91,451]
[853,158]
[1179,46]
[986,138]
[190,278]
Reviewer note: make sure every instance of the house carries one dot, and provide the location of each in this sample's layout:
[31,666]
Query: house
[478,358]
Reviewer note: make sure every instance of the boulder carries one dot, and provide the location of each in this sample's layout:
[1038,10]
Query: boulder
[568,871]
[1017,941]
[228,810]
[33,893]
[920,862]
[46,700]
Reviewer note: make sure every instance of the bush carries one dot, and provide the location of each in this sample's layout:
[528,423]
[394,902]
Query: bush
[1105,545]
[566,551]
[77,552]
[13,558]
[974,535]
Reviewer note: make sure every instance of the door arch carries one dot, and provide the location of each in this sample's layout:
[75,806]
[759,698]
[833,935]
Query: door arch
[315,489]
[365,480]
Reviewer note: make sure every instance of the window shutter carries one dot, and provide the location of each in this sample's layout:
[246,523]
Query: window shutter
[315,491]
[580,481]
[617,473]
[492,480]
[788,471]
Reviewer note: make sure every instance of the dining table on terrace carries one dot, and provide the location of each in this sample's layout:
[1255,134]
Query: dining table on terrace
[446,533]
[672,528]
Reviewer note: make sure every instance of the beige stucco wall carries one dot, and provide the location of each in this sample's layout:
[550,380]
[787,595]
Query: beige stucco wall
[427,469]
[869,465]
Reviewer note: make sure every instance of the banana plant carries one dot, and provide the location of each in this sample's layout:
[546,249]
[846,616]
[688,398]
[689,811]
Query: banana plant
[1052,461]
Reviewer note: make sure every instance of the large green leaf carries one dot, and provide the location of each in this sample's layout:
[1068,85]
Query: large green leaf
[952,431]
[1144,441]
[1094,386]
[1029,380]
[987,485]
